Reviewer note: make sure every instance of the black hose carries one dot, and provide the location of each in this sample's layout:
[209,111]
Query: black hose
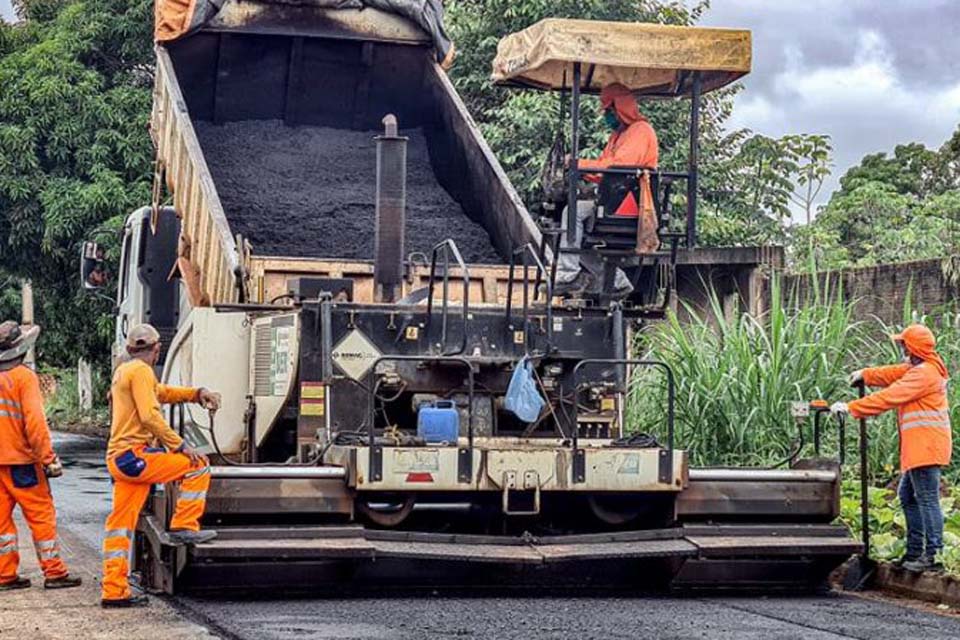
[314,462]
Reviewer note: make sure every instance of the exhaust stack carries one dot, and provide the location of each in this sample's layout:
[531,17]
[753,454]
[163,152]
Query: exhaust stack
[391,212]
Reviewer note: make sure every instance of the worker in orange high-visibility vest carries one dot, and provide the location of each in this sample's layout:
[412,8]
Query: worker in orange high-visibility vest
[917,389]
[26,461]
[144,450]
[632,143]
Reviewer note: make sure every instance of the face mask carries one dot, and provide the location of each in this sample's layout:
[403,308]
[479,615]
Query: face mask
[610,118]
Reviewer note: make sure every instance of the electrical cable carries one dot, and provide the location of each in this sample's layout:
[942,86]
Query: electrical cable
[313,462]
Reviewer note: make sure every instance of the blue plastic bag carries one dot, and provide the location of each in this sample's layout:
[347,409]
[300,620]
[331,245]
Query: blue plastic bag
[523,399]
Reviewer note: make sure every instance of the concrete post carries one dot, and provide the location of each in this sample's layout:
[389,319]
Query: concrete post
[85,385]
[26,313]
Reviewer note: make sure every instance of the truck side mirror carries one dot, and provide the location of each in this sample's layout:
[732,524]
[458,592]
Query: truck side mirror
[93,271]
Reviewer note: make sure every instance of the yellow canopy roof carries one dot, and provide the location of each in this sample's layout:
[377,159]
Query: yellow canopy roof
[650,59]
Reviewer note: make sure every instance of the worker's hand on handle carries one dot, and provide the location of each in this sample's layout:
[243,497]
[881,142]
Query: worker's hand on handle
[54,469]
[839,409]
[855,377]
[196,458]
[209,400]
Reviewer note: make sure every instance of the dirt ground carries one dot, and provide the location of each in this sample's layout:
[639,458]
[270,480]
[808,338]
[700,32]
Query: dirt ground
[310,191]
[72,614]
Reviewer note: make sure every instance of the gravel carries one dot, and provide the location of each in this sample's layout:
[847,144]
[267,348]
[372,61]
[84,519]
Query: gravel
[310,191]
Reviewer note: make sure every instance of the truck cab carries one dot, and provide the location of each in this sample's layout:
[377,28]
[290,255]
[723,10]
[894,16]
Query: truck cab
[146,292]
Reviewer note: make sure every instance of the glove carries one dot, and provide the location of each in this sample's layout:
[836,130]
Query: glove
[839,409]
[855,377]
[209,400]
[54,469]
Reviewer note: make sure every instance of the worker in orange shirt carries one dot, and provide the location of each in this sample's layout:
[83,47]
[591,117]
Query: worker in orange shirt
[917,389]
[632,143]
[26,461]
[136,462]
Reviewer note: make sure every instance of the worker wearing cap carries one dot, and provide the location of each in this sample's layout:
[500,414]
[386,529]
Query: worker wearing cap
[632,143]
[136,462]
[917,389]
[26,461]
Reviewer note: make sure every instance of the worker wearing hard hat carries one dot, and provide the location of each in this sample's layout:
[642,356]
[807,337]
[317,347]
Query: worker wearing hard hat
[27,459]
[136,463]
[917,389]
[632,143]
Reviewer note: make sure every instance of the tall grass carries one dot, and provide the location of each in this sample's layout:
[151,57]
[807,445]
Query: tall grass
[737,376]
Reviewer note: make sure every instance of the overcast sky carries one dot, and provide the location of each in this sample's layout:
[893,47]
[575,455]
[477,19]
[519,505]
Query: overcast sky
[870,73]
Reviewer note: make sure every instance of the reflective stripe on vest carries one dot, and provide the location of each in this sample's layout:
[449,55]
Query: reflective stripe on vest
[11,409]
[933,418]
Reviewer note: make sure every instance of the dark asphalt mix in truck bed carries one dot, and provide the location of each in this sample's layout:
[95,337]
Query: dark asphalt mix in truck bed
[310,191]
[83,498]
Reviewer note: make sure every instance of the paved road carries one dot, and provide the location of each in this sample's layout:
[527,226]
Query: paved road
[83,500]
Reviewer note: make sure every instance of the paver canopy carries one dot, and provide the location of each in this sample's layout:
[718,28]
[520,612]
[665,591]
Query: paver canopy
[650,59]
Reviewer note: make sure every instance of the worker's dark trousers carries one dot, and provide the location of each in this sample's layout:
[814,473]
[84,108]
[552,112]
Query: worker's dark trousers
[920,498]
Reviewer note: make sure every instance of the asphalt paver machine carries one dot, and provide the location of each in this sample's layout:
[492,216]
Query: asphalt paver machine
[370,441]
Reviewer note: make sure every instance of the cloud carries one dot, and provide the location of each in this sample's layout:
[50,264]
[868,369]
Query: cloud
[6,11]
[870,73]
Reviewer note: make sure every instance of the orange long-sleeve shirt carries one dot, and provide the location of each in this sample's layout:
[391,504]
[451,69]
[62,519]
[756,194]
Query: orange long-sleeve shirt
[919,394]
[24,434]
[136,419]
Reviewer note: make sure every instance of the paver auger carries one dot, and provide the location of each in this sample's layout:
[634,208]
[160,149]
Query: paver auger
[364,439]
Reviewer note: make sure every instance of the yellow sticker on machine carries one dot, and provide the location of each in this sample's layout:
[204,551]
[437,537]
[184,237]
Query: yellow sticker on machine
[312,408]
[313,390]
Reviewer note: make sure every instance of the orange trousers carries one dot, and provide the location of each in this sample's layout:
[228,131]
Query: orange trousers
[134,471]
[27,486]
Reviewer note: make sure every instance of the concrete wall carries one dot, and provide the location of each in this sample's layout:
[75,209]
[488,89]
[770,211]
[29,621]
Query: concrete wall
[881,291]
[738,275]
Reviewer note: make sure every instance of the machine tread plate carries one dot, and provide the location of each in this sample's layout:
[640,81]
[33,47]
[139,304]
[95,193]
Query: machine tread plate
[285,548]
[721,546]
[614,550]
[512,554]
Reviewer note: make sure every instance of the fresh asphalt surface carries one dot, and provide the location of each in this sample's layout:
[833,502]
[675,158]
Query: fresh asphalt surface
[83,500]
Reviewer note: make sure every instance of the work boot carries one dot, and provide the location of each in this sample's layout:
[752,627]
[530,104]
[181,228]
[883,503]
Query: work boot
[574,287]
[63,582]
[186,536]
[135,600]
[899,562]
[924,563]
[16,583]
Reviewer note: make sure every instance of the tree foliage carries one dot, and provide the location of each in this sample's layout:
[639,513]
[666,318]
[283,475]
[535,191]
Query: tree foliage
[74,150]
[889,209]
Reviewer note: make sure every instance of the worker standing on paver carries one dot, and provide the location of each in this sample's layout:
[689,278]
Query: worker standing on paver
[917,389]
[136,463]
[27,459]
[632,143]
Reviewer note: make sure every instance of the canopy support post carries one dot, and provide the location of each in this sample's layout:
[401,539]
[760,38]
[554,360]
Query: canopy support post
[574,172]
[693,160]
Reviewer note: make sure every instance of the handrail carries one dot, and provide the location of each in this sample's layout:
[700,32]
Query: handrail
[448,246]
[528,250]
[465,455]
[671,396]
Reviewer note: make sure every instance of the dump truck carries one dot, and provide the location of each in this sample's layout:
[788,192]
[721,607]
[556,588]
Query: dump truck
[370,342]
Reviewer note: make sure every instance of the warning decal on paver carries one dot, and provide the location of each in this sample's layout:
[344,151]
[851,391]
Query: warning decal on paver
[355,354]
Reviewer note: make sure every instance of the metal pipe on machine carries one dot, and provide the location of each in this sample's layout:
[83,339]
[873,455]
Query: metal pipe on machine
[762,475]
[277,472]
[391,212]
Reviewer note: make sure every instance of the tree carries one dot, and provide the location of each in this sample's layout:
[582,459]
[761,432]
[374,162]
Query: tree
[810,156]
[74,154]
